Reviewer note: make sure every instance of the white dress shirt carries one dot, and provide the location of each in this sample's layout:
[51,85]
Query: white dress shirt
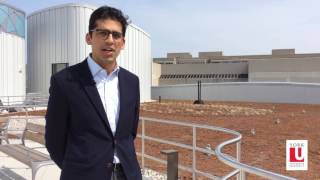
[108,88]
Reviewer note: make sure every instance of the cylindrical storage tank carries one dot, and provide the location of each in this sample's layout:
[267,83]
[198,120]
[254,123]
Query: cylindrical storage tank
[56,39]
[136,57]
[12,53]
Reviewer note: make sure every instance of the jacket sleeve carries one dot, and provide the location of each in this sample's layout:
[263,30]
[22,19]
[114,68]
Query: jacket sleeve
[137,109]
[56,122]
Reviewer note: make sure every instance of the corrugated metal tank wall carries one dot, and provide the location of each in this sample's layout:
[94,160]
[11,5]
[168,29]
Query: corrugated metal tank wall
[57,35]
[136,57]
[12,65]
[12,52]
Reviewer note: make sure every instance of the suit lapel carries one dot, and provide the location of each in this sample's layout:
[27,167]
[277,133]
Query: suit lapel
[90,88]
[122,88]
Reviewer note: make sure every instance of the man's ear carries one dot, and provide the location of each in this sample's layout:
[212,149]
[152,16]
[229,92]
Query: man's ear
[88,38]
[123,43]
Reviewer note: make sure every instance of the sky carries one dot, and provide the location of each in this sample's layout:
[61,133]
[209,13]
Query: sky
[236,27]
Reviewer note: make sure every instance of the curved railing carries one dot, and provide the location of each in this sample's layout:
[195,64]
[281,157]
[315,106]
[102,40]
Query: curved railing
[243,167]
[240,168]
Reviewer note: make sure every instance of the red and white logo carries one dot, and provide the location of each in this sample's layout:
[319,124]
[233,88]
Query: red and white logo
[297,155]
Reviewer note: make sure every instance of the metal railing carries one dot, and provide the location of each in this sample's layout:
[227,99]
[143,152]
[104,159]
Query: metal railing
[240,168]
[24,103]
[30,98]
[235,162]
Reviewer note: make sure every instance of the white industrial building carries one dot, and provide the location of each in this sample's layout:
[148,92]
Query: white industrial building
[56,39]
[282,77]
[12,52]
[282,65]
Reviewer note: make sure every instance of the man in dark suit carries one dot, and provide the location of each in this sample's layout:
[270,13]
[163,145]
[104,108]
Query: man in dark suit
[93,109]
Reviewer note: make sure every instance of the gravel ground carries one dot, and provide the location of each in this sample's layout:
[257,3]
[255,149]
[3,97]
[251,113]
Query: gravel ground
[149,174]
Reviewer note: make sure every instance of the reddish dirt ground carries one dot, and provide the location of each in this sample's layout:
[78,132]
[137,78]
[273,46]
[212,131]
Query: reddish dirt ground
[265,127]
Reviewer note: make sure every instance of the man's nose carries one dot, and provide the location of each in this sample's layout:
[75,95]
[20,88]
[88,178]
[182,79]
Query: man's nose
[109,38]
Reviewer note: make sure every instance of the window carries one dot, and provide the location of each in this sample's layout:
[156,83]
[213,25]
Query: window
[243,76]
[58,67]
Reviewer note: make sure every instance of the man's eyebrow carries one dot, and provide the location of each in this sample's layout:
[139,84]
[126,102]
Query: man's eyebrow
[97,29]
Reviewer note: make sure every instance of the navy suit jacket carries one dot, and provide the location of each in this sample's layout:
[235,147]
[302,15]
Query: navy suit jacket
[78,135]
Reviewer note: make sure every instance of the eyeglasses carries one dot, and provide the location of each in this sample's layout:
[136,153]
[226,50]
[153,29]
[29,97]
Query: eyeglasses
[105,33]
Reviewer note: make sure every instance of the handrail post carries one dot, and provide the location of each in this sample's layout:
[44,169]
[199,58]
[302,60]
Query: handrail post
[240,176]
[172,164]
[238,156]
[194,145]
[8,105]
[142,142]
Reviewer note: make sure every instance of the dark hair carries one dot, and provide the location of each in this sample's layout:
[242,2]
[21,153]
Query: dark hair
[106,12]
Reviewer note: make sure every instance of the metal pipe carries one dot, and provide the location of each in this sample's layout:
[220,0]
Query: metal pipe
[194,153]
[142,142]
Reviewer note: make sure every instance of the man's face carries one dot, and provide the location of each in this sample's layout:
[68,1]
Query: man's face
[106,46]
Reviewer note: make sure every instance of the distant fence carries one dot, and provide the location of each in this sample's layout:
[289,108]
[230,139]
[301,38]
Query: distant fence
[272,92]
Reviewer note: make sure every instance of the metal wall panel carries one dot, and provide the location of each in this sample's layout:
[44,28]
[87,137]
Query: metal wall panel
[12,65]
[57,35]
[136,57]
[12,52]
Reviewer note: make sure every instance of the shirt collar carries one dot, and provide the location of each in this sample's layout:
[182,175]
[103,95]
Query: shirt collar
[96,68]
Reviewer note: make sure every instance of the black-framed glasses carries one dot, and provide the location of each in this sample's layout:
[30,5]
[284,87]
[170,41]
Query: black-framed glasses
[105,33]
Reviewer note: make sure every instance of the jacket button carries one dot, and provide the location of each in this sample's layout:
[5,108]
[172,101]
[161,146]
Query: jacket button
[114,141]
[109,165]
